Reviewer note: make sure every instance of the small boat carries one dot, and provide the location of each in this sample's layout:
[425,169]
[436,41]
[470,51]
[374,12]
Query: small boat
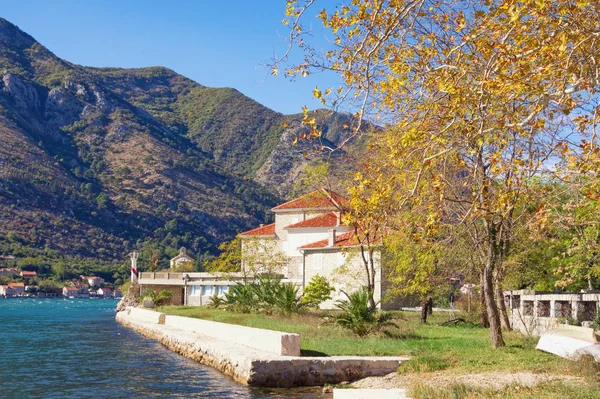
[570,342]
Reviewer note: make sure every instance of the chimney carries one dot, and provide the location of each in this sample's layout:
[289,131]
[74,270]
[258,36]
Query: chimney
[331,237]
[262,225]
[338,218]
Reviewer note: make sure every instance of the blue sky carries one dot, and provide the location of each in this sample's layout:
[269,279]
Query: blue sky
[216,43]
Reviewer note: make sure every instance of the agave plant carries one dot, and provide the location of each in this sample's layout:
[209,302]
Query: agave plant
[359,316]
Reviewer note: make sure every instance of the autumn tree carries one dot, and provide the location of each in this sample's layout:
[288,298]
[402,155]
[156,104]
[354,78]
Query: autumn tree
[230,258]
[483,92]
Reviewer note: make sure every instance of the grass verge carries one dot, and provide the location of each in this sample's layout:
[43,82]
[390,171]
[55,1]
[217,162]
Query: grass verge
[450,350]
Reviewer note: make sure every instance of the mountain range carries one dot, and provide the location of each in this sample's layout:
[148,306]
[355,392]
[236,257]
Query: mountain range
[97,161]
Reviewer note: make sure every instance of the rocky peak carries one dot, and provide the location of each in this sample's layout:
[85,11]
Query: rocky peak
[13,37]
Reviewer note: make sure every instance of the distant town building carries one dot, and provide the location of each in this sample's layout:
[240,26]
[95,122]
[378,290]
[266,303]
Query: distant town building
[8,271]
[6,291]
[105,292]
[118,294]
[93,281]
[83,290]
[182,258]
[27,274]
[70,292]
[18,288]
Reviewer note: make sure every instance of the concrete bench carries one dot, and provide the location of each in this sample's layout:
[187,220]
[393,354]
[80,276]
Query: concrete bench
[274,342]
[145,315]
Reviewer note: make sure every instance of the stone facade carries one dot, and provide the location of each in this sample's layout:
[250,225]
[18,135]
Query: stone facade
[175,290]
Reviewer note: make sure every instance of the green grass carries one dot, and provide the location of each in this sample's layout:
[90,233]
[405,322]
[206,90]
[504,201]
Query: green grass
[454,349]
[434,350]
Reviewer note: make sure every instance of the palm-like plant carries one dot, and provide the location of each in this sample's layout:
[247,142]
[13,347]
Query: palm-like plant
[287,300]
[360,316]
[240,298]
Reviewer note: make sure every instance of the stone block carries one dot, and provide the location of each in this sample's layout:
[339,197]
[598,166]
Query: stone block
[275,342]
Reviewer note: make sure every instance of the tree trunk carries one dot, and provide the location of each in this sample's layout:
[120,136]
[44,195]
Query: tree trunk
[424,308]
[430,306]
[483,316]
[500,302]
[490,302]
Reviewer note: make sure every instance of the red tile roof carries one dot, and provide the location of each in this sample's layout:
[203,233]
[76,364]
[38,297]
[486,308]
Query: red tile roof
[321,198]
[71,288]
[26,273]
[106,289]
[327,220]
[267,230]
[16,285]
[341,240]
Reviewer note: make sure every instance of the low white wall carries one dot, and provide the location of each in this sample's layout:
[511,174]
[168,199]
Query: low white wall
[255,367]
[275,342]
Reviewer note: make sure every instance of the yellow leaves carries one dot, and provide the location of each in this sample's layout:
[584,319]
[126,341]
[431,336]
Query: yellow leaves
[323,16]
[317,93]
[274,71]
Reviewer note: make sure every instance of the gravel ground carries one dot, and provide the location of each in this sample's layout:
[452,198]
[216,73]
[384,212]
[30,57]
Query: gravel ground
[488,380]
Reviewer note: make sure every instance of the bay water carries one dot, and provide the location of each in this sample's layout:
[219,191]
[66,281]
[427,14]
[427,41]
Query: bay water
[74,348]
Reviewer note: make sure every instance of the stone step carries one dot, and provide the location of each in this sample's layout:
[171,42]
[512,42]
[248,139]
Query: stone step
[377,393]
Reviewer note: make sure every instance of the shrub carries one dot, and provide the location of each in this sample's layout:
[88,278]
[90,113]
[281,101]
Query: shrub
[216,301]
[240,298]
[359,316]
[159,298]
[317,291]
[266,295]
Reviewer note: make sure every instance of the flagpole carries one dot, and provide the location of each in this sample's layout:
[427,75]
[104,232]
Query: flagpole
[134,258]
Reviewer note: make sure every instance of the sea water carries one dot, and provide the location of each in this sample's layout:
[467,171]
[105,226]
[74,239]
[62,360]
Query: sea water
[74,348]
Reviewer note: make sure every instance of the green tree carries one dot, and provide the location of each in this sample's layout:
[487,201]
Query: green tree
[230,258]
[317,291]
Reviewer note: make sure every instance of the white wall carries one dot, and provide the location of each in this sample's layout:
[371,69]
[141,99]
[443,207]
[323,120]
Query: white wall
[299,238]
[343,269]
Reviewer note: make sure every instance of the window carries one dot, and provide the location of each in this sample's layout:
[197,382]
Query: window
[195,290]
[222,289]
[207,290]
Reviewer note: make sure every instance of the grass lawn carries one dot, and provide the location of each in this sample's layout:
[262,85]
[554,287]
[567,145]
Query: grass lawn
[451,350]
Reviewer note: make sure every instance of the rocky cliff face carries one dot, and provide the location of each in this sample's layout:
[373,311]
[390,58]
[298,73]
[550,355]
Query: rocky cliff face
[95,161]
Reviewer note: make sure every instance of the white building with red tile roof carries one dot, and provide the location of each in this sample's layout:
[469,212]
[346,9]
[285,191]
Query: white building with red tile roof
[309,233]
[105,292]
[18,288]
[93,281]
[70,292]
[28,274]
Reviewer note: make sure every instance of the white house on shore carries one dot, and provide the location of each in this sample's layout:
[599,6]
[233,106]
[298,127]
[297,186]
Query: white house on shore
[307,239]
[310,239]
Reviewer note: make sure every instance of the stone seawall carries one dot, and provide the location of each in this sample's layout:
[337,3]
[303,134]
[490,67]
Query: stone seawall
[254,367]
